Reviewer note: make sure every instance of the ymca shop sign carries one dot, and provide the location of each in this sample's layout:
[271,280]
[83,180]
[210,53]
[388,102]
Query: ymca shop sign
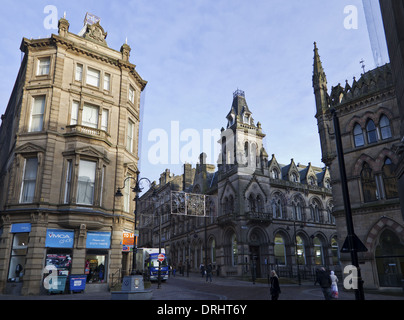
[59,238]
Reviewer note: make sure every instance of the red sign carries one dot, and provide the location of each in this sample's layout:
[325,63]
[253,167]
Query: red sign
[161,257]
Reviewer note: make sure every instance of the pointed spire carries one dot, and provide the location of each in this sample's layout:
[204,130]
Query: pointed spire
[319,78]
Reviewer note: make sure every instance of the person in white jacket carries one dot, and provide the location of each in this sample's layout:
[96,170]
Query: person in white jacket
[334,286]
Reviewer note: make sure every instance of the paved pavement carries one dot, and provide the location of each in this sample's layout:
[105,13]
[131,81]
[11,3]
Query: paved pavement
[195,287]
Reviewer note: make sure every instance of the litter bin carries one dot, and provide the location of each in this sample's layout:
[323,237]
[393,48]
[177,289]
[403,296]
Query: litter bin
[57,284]
[77,282]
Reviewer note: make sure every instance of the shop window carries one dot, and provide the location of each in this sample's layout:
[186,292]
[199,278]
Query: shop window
[96,266]
[59,260]
[18,255]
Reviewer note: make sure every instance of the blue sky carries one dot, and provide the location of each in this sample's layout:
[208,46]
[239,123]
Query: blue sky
[196,53]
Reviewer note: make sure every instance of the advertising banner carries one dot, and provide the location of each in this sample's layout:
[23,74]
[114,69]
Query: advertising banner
[98,240]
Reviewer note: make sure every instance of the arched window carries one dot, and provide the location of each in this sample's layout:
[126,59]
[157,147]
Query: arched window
[274,174]
[389,180]
[294,177]
[279,250]
[358,136]
[312,181]
[226,206]
[369,188]
[315,211]
[385,129]
[251,203]
[334,251]
[234,250]
[260,204]
[231,204]
[389,256]
[277,209]
[371,132]
[318,251]
[301,255]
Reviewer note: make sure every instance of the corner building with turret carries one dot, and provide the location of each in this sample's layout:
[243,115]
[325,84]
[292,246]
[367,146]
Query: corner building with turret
[69,137]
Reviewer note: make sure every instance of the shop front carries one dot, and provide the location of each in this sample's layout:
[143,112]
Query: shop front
[98,245]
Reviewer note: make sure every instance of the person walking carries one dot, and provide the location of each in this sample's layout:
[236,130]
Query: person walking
[324,280]
[209,272]
[274,289]
[334,285]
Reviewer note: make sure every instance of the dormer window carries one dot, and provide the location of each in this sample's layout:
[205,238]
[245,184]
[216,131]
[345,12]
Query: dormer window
[246,118]
[293,177]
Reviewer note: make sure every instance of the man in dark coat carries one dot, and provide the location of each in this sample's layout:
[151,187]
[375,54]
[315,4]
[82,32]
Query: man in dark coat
[324,280]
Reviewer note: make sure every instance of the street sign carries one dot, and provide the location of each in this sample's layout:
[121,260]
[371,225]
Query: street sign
[358,245]
[161,257]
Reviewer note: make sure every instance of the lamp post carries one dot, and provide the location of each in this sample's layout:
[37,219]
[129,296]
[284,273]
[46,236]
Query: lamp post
[136,189]
[353,247]
[296,250]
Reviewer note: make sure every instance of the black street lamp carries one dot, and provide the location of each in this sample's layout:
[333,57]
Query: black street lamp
[136,189]
[296,250]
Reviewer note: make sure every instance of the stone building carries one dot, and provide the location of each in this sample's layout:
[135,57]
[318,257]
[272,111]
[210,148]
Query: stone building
[249,214]
[69,137]
[370,129]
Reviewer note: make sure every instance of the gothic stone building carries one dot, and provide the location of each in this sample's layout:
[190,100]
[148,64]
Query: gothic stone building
[69,137]
[370,129]
[260,214]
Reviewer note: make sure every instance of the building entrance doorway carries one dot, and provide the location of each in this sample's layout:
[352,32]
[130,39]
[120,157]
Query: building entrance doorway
[255,261]
[390,260]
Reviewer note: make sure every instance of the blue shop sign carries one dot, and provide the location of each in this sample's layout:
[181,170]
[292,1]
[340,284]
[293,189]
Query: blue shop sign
[59,238]
[98,240]
[20,227]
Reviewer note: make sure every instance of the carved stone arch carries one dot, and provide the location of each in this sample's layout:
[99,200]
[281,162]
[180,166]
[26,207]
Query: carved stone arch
[250,183]
[375,231]
[357,168]
[385,153]
[257,236]
[228,184]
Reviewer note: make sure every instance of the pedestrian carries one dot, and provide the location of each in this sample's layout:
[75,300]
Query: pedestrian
[316,276]
[202,269]
[274,289]
[209,272]
[324,280]
[334,286]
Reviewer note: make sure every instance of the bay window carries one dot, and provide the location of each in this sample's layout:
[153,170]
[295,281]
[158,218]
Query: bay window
[29,180]
[86,181]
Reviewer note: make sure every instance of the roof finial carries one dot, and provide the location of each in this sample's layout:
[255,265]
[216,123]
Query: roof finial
[363,65]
